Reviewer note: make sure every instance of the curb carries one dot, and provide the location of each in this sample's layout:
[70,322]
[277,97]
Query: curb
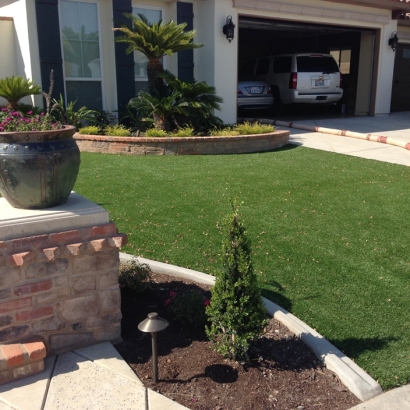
[341,133]
[351,375]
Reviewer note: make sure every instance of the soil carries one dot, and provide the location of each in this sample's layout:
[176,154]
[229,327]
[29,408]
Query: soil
[283,373]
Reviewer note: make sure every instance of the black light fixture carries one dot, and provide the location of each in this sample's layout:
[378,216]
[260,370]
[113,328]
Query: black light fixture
[153,324]
[394,41]
[229,29]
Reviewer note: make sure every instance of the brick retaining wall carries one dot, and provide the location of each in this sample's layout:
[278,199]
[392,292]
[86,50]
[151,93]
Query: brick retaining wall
[182,146]
[61,286]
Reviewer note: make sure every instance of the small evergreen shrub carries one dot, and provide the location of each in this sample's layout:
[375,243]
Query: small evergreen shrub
[188,308]
[236,312]
[248,128]
[117,130]
[135,276]
[184,132]
[154,132]
[225,132]
[89,130]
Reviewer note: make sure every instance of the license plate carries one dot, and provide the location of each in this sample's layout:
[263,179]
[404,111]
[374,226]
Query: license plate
[255,90]
[319,83]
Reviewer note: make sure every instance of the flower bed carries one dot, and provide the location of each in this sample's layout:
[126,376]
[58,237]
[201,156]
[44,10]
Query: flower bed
[182,146]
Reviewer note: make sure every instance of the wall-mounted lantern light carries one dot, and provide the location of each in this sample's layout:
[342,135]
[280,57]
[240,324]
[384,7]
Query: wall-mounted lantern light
[393,41]
[229,29]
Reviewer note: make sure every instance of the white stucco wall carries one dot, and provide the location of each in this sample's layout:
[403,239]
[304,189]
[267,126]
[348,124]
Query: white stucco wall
[8,67]
[26,53]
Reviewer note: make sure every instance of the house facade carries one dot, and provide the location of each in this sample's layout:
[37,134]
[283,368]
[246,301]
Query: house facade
[75,39]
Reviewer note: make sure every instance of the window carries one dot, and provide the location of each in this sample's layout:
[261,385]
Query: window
[316,64]
[342,56]
[282,64]
[81,53]
[140,68]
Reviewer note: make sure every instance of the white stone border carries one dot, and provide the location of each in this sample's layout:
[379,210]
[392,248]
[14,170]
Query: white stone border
[351,375]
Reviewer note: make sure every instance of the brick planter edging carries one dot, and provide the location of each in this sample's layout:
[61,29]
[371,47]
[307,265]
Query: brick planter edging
[182,146]
[21,360]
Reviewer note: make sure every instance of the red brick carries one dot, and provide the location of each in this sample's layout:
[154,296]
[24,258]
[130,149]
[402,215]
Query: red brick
[19,259]
[28,243]
[33,288]
[14,355]
[100,230]
[76,248]
[3,246]
[36,350]
[62,238]
[15,304]
[97,245]
[49,253]
[34,314]
[118,241]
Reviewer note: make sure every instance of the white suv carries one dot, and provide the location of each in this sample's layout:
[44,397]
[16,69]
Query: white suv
[311,78]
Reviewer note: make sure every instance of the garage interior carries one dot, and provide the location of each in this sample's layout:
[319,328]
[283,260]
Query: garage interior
[354,49]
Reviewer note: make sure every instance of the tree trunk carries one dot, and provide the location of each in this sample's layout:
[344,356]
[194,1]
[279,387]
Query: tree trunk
[154,68]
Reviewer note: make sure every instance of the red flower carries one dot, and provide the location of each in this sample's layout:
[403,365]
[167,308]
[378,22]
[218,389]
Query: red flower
[207,302]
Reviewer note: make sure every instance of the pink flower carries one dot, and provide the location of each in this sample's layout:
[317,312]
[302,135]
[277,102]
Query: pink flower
[207,302]
[30,112]
[172,294]
[167,302]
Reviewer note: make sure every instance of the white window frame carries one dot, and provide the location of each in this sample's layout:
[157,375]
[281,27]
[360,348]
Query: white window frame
[84,79]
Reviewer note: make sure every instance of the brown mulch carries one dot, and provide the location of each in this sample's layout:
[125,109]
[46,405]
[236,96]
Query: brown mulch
[283,372]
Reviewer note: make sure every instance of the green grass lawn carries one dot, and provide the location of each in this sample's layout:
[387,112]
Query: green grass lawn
[330,235]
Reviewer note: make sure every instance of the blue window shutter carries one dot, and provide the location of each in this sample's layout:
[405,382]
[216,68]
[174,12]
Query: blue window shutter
[185,14]
[124,63]
[48,29]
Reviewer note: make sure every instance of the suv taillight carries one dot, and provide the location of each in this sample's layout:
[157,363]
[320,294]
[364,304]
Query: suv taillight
[269,90]
[293,81]
[341,81]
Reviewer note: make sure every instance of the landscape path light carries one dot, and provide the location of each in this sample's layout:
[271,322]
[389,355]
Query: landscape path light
[153,324]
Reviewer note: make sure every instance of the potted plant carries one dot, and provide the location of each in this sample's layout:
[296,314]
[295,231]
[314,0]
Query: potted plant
[39,159]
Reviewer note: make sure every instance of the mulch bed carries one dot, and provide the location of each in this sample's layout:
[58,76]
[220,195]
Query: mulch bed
[283,373]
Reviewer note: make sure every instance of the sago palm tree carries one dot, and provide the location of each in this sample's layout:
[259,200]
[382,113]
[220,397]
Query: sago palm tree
[155,40]
[13,89]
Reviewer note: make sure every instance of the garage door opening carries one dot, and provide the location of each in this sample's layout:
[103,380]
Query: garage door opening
[352,47]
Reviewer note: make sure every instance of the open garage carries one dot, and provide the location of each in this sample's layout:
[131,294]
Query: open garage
[353,48]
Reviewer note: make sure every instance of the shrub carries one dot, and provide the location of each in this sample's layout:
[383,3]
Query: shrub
[225,132]
[185,132]
[236,312]
[188,308]
[13,89]
[154,132]
[135,276]
[248,128]
[117,130]
[89,130]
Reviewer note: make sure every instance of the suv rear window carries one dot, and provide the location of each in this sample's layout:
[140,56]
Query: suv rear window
[317,64]
[282,64]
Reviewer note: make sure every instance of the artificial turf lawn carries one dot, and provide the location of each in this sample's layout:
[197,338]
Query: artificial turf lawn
[330,235]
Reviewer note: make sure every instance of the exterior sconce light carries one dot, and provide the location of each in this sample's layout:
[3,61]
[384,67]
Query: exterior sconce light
[229,29]
[153,324]
[393,41]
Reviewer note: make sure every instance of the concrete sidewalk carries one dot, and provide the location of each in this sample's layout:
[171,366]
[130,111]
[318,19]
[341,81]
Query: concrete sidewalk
[94,377]
[395,127]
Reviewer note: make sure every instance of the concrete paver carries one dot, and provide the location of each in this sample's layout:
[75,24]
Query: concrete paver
[78,383]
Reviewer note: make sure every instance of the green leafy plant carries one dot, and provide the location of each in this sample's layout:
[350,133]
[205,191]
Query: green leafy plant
[236,312]
[155,40]
[184,132]
[15,121]
[89,130]
[117,130]
[188,308]
[248,128]
[13,89]
[102,119]
[201,102]
[154,133]
[69,114]
[135,276]
[162,108]
[223,132]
